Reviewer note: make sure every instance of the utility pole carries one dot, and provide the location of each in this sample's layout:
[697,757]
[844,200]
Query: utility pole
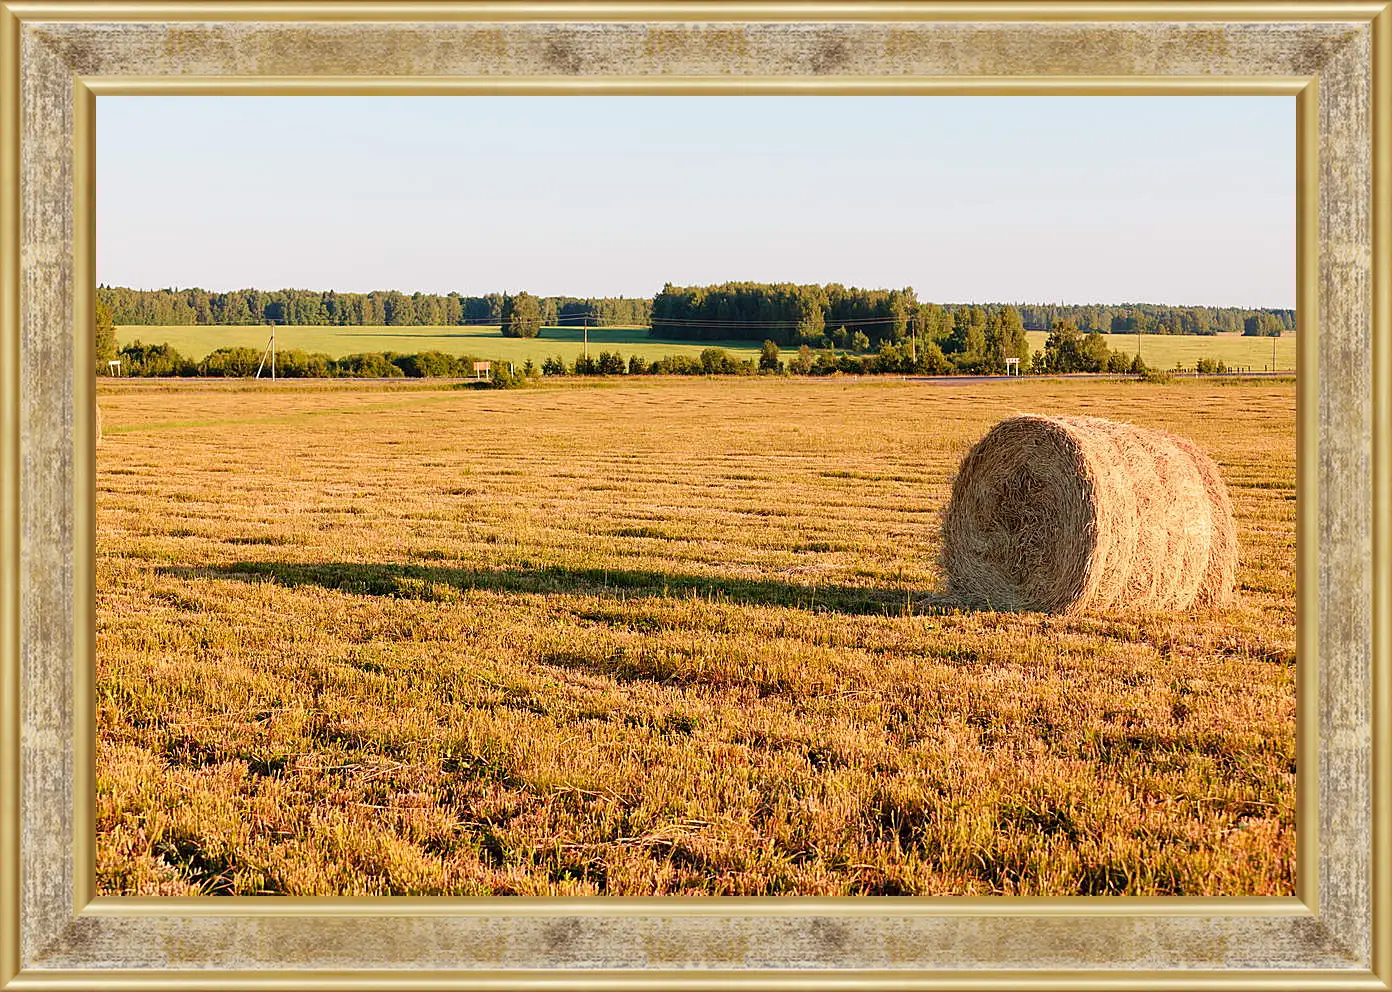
[270,351]
[1273,350]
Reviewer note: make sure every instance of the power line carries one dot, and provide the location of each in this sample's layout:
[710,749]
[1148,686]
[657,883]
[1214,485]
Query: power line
[716,322]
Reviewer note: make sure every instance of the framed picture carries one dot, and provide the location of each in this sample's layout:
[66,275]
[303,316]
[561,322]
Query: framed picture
[666,669]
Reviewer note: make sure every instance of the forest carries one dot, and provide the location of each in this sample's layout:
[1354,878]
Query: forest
[789,314]
[379,308]
[834,315]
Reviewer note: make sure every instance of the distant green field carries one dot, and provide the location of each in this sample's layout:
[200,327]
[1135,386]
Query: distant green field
[1164,350]
[196,341]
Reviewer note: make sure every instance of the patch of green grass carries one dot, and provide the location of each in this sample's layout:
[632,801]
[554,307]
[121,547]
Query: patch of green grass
[194,341]
[1162,351]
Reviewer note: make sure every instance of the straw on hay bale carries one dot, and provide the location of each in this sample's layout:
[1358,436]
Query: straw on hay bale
[99,425]
[1061,514]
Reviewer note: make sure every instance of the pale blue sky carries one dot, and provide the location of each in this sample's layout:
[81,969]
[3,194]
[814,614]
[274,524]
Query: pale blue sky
[1026,199]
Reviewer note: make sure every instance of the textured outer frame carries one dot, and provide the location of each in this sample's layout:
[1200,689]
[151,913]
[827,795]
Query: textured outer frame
[58,56]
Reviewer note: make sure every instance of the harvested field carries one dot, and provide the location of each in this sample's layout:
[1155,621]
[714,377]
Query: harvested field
[660,637]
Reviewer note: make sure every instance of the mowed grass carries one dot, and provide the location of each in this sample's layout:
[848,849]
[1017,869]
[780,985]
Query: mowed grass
[659,637]
[1159,351]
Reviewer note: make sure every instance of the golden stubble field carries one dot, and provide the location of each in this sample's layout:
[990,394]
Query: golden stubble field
[659,637]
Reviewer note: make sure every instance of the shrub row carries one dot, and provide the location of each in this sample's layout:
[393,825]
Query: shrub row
[162,360]
[139,359]
[890,359]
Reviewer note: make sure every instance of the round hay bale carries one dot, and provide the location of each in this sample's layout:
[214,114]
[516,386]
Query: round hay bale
[1061,514]
[1219,585]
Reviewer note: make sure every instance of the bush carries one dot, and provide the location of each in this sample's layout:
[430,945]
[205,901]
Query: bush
[154,359]
[368,365]
[931,360]
[967,362]
[768,357]
[297,364]
[1118,362]
[434,364]
[636,366]
[892,359]
[553,366]
[717,361]
[611,364]
[235,362]
[678,365]
[504,379]
[923,359]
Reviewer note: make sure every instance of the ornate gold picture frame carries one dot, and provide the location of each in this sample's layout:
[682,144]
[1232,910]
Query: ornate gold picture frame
[1334,58]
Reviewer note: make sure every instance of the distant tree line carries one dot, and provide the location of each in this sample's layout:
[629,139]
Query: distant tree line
[388,308]
[836,316]
[830,316]
[1153,318]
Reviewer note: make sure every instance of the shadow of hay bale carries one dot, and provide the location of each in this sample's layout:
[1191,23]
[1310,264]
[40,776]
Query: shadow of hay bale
[431,582]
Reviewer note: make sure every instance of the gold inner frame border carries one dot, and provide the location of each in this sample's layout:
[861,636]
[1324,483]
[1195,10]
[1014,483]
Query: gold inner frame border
[1304,89]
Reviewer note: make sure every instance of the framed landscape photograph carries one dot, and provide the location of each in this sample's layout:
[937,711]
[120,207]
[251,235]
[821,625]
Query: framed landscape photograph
[517,495]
